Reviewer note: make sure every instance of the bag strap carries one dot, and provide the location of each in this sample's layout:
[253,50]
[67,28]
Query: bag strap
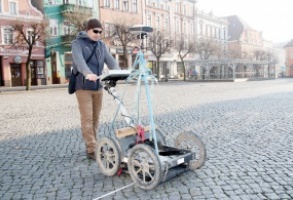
[89,58]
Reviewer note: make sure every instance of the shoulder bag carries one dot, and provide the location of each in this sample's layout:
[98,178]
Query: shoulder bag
[72,78]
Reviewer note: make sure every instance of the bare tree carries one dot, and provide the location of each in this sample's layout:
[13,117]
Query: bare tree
[259,54]
[120,32]
[75,18]
[206,48]
[159,44]
[184,47]
[27,35]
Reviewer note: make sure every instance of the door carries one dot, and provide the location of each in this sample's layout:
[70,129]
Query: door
[34,72]
[15,75]
[1,73]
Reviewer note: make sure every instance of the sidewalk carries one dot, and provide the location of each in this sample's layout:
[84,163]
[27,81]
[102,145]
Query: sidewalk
[34,87]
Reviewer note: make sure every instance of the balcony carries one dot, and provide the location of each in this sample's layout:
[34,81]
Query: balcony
[67,39]
[69,8]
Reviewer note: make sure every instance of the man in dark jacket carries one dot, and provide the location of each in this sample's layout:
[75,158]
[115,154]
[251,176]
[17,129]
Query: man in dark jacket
[89,56]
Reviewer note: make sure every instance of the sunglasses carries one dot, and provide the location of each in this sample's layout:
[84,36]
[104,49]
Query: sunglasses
[97,31]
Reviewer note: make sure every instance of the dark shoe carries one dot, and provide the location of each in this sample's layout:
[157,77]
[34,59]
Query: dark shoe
[91,156]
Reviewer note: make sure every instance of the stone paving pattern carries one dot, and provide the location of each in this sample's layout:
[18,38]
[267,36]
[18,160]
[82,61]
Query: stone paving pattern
[247,128]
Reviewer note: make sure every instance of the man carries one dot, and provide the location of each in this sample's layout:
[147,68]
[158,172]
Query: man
[89,55]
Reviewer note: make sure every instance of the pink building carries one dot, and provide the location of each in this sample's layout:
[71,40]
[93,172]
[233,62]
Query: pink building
[289,58]
[13,58]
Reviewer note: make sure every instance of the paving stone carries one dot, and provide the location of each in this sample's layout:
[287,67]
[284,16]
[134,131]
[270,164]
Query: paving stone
[246,128]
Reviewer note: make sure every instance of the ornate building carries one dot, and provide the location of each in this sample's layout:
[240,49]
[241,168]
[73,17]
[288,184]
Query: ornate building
[13,57]
[253,56]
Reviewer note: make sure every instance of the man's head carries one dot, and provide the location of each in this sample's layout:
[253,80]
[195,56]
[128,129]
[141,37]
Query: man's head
[94,29]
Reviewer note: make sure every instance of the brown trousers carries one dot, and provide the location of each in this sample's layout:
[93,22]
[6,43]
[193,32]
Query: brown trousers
[90,105]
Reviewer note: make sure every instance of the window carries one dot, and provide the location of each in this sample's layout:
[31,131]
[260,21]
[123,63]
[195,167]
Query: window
[7,35]
[65,1]
[67,28]
[40,69]
[107,3]
[1,6]
[184,28]
[12,8]
[29,35]
[177,25]
[149,20]
[158,22]
[200,29]
[109,29]
[166,22]
[191,28]
[184,10]
[191,11]
[125,5]
[177,7]
[116,4]
[207,31]
[52,2]
[54,27]
[134,6]
[148,2]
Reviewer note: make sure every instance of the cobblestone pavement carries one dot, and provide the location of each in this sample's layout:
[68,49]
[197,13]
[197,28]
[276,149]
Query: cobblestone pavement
[247,128]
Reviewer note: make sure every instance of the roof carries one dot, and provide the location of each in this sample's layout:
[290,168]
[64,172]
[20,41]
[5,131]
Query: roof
[38,4]
[289,44]
[236,27]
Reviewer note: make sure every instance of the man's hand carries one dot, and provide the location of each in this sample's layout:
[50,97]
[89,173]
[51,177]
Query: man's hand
[92,77]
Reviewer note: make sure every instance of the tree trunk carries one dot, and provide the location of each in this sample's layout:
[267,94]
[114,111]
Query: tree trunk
[184,70]
[125,56]
[28,70]
[158,68]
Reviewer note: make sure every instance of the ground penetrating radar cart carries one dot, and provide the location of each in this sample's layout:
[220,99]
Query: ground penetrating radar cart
[138,149]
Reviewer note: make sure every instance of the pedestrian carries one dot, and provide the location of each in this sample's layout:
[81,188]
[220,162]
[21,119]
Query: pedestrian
[89,55]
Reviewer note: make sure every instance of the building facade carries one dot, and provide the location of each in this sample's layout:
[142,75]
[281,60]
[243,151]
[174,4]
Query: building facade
[172,18]
[13,58]
[289,58]
[236,49]
[123,14]
[253,55]
[212,34]
[61,34]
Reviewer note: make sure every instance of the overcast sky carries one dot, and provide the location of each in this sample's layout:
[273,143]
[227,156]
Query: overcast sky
[272,17]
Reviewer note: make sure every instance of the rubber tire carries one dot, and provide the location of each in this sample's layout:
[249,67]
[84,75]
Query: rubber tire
[133,165]
[190,141]
[113,151]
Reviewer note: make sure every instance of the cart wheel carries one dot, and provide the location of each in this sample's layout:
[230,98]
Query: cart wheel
[108,156]
[190,141]
[144,166]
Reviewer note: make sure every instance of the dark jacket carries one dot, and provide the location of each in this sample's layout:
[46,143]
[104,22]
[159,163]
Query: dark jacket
[82,48]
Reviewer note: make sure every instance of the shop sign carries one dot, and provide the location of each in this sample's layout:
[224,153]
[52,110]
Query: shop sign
[117,43]
[120,51]
[17,59]
[10,50]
